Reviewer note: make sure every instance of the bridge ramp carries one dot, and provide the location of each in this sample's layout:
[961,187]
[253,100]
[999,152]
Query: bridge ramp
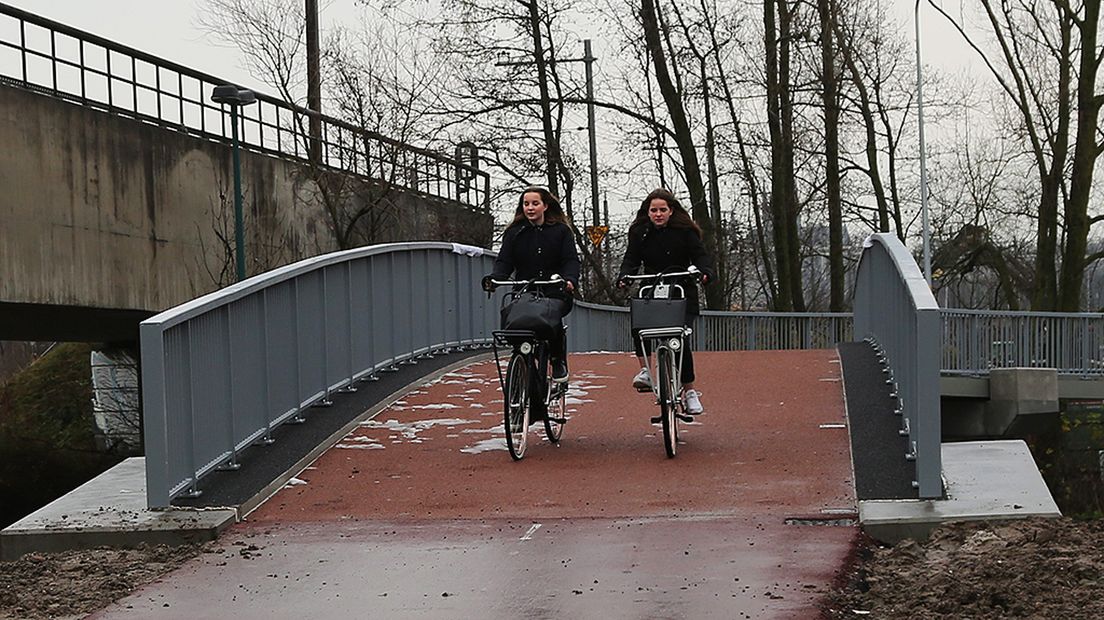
[420,512]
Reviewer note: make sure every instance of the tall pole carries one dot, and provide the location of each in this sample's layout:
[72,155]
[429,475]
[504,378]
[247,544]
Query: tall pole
[239,224]
[314,82]
[923,154]
[588,59]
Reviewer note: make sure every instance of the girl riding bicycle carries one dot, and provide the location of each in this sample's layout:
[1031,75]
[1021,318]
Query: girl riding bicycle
[537,245]
[663,237]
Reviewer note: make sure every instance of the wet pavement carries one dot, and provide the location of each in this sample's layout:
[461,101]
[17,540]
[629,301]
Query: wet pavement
[420,512]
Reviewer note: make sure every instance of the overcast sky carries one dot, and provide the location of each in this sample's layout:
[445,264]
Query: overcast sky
[168,29]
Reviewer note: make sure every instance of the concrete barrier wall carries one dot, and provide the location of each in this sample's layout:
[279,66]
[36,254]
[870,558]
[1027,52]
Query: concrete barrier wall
[103,211]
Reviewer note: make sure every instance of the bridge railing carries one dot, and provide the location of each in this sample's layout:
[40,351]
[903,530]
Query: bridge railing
[596,327]
[976,341]
[896,311]
[51,58]
[761,331]
[219,373]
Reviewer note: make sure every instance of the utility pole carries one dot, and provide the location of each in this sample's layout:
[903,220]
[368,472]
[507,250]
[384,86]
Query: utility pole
[925,227]
[314,83]
[553,150]
[588,60]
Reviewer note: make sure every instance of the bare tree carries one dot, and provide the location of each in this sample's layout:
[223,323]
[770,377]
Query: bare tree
[1048,60]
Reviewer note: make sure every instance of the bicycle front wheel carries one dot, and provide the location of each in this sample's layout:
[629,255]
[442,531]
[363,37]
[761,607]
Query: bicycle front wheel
[515,404]
[664,363]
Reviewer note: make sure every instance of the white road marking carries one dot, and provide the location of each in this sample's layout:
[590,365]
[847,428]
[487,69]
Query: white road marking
[529,534]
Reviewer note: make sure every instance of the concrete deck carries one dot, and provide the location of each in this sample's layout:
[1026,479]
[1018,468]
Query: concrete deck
[753,518]
[110,510]
[985,480]
[420,513]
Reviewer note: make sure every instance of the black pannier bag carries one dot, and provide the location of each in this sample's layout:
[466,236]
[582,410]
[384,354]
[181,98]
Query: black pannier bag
[653,313]
[532,311]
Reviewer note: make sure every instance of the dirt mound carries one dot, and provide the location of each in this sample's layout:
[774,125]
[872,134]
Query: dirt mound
[1036,568]
[75,583]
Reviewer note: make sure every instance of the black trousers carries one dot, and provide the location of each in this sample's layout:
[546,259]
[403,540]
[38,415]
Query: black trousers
[687,374]
[557,348]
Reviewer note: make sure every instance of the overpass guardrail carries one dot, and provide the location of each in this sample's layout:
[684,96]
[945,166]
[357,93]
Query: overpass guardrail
[51,58]
[219,373]
[976,341]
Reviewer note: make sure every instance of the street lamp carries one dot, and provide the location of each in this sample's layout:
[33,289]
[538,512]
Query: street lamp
[923,155]
[235,97]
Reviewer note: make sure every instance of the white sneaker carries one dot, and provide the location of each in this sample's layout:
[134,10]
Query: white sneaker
[643,380]
[692,398]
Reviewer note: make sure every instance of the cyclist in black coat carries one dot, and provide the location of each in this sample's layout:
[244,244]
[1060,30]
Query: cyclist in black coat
[663,237]
[537,245]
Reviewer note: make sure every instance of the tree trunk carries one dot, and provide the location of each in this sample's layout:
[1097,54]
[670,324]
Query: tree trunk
[684,140]
[552,147]
[870,126]
[789,203]
[784,300]
[831,155]
[1084,160]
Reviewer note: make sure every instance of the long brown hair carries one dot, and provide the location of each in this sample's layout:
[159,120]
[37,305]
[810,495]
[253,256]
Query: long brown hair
[680,218]
[553,214]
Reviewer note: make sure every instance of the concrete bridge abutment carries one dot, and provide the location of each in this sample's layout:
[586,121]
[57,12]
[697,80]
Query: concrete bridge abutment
[108,219]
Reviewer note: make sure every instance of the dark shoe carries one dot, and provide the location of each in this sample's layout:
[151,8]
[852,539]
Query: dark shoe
[559,371]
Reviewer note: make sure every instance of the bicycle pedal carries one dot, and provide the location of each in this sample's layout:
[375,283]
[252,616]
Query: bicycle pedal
[685,418]
[643,390]
[657,420]
[557,420]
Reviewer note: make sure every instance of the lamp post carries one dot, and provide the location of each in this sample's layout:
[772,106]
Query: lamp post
[235,97]
[923,155]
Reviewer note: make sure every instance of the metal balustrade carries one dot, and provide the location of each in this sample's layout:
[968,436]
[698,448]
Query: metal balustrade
[975,341]
[54,59]
[896,311]
[219,373]
[763,331]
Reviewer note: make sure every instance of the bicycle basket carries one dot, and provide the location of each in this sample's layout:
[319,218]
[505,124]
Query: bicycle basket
[533,312]
[654,313]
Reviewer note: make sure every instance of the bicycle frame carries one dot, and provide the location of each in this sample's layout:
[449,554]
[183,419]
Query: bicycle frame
[530,360]
[668,343]
[672,340]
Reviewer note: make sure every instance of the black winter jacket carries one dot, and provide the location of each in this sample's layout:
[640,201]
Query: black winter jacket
[538,252]
[659,249]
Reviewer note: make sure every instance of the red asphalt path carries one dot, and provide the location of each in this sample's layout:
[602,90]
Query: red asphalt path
[421,513]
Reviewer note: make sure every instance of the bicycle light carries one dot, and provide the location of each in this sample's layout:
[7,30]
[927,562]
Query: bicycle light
[526,348]
[675,344]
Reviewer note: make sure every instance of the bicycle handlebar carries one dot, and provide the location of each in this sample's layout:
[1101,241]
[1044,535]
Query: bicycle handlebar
[690,271]
[556,279]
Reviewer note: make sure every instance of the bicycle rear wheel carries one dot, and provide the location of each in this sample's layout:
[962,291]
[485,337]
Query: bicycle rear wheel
[515,403]
[666,402]
[556,415]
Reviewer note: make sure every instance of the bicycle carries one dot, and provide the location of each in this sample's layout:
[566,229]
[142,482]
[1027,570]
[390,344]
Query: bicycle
[526,395]
[659,320]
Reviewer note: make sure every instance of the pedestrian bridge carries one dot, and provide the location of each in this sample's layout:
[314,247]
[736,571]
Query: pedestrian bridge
[346,411]
[220,373]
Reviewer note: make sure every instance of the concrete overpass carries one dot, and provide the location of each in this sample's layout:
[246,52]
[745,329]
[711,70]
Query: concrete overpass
[117,200]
